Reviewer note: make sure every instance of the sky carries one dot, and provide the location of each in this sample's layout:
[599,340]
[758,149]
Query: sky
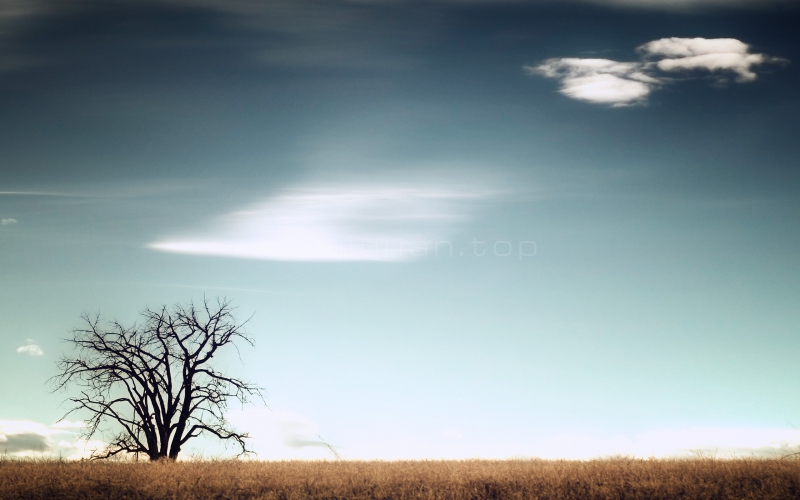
[463,228]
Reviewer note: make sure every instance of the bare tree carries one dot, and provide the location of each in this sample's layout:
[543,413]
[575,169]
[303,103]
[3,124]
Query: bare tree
[152,387]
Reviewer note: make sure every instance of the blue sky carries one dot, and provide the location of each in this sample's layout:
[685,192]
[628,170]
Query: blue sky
[464,228]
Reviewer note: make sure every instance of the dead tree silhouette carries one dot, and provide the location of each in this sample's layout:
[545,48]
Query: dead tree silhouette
[152,387]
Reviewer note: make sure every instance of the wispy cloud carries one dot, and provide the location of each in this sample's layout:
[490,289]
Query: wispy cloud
[306,33]
[207,287]
[364,222]
[281,434]
[709,441]
[252,6]
[688,4]
[40,193]
[117,190]
[30,348]
[604,81]
[7,222]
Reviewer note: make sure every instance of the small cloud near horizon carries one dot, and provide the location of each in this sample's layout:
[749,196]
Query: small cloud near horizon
[604,81]
[7,222]
[31,349]
[24,438]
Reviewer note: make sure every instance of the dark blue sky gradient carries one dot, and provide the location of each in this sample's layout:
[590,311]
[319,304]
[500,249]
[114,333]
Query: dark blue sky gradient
[136,91]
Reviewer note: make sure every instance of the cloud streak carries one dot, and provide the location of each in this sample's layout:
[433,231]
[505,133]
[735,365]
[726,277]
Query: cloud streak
[688,4]
[40,193]
[368,222]
[604,81]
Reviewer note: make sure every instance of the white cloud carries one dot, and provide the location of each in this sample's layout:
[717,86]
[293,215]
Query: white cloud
[682,47]
[30,349]
[717,54]
[24,438]
[369,222]
[7,222]
[604,81]
[598,80]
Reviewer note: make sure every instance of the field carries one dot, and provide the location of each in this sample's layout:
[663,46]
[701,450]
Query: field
[471,479]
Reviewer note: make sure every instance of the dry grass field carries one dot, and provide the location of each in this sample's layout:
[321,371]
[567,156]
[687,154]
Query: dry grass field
[471,479]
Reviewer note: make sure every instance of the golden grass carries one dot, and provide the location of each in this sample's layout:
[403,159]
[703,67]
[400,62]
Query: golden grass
[470,479]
